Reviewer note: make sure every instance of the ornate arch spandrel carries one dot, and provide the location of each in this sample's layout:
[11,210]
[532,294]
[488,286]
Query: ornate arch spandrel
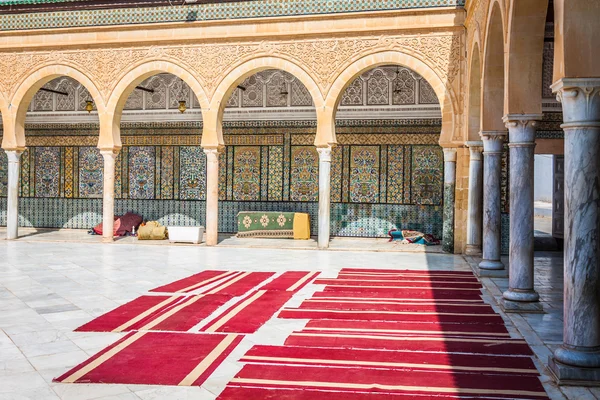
[25,89]
[441,84]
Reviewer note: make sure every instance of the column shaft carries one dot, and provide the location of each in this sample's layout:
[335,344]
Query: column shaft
[521,296]
[324,195]
[578,359]
[212,196]
[449,199]
[12,206]
[492,171]
[108,195]
[474,228]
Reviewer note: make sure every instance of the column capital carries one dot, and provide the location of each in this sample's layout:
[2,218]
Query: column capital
[14,155]
[580,98]
[110,152]
[325,153]
[450,154]
[475,149]
[493,141]
[521,128]
[212,153]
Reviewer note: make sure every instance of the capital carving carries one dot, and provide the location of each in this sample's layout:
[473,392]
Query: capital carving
[212,154]
[493,141]
[324,153]
[580,98]
[109,153]
[14,156]
[475,149]
[449,154]
[521,128]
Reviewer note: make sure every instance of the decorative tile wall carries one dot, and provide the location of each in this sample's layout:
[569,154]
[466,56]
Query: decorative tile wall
[383,176]
[207,12]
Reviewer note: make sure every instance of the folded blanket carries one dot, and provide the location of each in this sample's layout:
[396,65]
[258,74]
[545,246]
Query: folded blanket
[415,237]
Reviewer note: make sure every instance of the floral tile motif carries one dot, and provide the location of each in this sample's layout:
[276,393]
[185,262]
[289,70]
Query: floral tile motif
[427,175]
[246,173]
[364,174]
[167,172]
[47,172]
[90,172]
[192,178]
[304,166]
[336,174]
[141,172]
[275,173]
[3,173]
[395,174]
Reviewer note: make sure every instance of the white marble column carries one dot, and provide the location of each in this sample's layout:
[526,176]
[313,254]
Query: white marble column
[475,204]
[578,359]
[449,199]
[324,195]
[521,296]
[212,196]
[12,203]
[108,194]
[493,142]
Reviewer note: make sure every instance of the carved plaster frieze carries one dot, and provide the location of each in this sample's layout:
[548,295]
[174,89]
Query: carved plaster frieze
[323,59]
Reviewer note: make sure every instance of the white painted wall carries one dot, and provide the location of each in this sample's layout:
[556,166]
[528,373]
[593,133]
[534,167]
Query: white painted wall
[543,171]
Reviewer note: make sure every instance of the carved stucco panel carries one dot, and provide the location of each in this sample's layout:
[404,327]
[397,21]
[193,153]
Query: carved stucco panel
[323,59]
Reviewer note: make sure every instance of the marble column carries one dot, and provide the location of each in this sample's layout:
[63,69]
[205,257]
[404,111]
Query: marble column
[108,194]
[324,195]
[493,142]
[212,196]
[449,203]
[475,204]
[577,361]
[520,296]
[12,203]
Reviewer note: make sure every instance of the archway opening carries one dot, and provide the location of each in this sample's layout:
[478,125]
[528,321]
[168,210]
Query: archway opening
[387,169]
[269,161]
[474,122]
[60,181]
[160,168]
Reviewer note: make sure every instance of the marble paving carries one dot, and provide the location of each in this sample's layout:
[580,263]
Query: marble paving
[47,289]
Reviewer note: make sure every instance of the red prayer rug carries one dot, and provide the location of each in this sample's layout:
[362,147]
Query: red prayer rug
[395,328]
[398,360]
[401,283]
[517,347]
[184,315]
[250,313]
[156,358]
[405,316]
[196,281]
[388,381]
[387,305]
[129,315]
[240,284]
[291,281]
[233,392]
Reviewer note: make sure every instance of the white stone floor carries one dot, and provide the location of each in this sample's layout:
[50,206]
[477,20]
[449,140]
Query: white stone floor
[49,288]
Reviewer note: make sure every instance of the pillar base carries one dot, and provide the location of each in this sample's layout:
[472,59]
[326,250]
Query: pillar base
[491,265]
[473,250]
[108,240]
[509,306]
[569,375]
[491,273]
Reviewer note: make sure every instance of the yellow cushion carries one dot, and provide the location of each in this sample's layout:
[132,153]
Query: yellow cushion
[301,226]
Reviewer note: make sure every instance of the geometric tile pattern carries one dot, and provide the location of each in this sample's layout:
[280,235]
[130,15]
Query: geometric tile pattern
[206,12]
[375,185]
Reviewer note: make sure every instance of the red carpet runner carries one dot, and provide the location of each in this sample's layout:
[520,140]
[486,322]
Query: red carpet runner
[155,358]
[159,350]
[376,334]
